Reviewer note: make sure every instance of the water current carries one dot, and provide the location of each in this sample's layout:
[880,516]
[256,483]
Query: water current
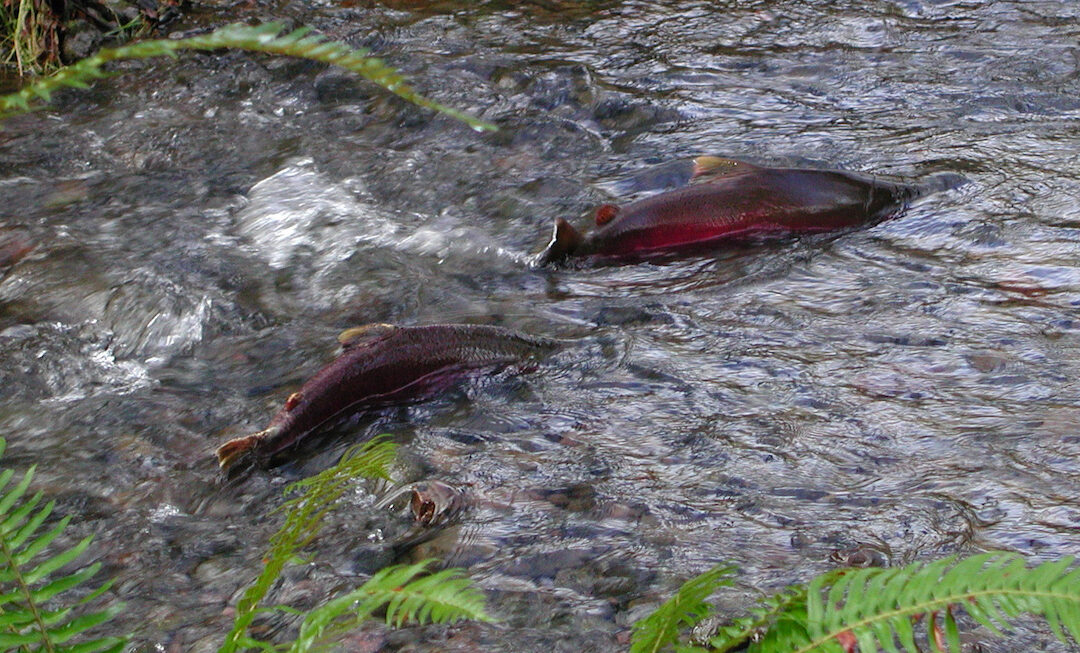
[204,228]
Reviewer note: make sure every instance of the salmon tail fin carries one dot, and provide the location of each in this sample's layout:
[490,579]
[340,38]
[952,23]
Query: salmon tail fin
[889,197]
[936,183]
[564,240]
[238,448]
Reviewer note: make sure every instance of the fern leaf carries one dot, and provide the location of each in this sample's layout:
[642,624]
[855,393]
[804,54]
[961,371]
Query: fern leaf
[54,563]
[46,617]
[407,594]
[16,540]
[83,623]
[65,628]
[57,586]
[404,591]
[768,610]
[437,598]
[993,588]
[372,460]
[316,496]
[34,612]
[686,608]
[879,609]
[105,645]
[267,38]
[905,632]
[11,497]
[17,519]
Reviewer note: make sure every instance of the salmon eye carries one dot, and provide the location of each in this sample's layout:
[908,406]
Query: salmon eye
[605,213]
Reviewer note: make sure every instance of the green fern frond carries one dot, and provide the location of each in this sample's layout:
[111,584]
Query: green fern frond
[880,609]
[686,608]
[317,495]
[303,518]
[35,613]
[762,617]
[407,593]
[266,38]
[372,460]
[442,597]
[408,596]
[877,606]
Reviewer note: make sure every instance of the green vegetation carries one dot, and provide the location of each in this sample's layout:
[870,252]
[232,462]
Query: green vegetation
[46,607]
[876,609]
[42,607]
[686,608]
[266,38]
[405,592]
[28,35]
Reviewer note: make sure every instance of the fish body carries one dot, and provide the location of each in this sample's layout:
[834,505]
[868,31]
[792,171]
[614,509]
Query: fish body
[382,365]
[732,201]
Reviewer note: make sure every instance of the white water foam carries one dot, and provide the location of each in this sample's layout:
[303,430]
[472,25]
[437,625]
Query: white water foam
[299,211]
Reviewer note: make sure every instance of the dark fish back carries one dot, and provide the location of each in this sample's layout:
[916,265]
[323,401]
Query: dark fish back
[406,364]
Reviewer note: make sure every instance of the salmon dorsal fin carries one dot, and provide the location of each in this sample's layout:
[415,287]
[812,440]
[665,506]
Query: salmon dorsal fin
[713,167]
[605,213]
[364,336]
[564,240]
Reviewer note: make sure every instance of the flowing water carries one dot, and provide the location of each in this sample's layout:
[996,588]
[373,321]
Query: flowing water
[204,228]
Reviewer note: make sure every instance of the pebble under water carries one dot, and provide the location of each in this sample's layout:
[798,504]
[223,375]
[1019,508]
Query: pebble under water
[202,229]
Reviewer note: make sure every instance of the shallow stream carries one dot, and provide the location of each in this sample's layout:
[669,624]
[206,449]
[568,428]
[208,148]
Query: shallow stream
[204,228]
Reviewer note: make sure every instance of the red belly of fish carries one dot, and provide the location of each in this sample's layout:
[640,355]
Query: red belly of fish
[671,235]
[333,396]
